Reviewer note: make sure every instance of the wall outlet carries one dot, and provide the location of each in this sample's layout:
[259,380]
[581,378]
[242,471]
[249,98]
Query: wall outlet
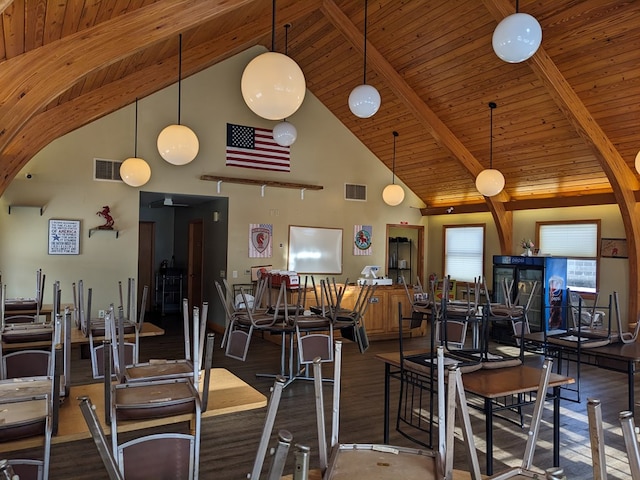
[101,313]
[234,274]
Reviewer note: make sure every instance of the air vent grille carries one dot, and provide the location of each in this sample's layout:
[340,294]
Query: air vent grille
[106,170]
[355,192]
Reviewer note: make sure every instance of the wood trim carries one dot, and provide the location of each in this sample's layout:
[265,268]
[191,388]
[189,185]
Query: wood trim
[268,183]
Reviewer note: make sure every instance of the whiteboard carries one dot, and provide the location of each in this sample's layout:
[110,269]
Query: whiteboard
[315,250]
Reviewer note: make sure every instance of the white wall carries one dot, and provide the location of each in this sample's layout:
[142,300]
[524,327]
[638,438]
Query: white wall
[326,154]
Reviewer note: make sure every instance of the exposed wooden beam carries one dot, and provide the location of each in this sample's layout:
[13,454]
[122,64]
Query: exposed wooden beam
[528,204]
[258,182]
[438,130]
[622,179]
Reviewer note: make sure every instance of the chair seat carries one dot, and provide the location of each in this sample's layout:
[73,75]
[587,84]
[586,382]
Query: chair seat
[159,368]
[138,401]
[27,333]
[23,419]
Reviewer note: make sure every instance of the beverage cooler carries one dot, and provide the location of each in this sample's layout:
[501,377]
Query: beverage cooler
[547,309]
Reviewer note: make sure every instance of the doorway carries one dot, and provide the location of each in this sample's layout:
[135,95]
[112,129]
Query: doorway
[405,253]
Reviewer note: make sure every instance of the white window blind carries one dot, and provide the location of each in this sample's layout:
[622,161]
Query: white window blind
[464,252]
[569,239]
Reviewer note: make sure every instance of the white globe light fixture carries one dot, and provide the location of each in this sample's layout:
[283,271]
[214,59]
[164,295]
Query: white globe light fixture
[135,171]
[638,162]
[178,144]
[273,86]
[517,37]
[285,134]
[393,194]
[364,100]
[490,181]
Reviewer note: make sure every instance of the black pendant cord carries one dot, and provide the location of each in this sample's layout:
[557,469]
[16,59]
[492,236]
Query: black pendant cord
[135,140]
[393,168]
[286,38]
[517,5]
[273,27]
[364,74]
[492,105]
[179,77]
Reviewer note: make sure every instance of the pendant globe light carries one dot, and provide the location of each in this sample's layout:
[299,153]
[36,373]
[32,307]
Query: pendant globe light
[285,133]
[364,100]
[273,85]
[638,162]
[178,144]
[393,194]
[490,181]
[134,171]
[517,37]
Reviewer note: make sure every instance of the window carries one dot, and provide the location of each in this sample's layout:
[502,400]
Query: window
[581,250]
[464,252]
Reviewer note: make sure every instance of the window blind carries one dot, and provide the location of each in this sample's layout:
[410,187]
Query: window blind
[464,253]
[569,240]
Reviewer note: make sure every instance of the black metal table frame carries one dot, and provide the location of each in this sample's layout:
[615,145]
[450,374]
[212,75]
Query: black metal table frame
[489,412]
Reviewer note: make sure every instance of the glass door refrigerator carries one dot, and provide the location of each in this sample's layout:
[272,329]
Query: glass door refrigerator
[547,310]
[523,272]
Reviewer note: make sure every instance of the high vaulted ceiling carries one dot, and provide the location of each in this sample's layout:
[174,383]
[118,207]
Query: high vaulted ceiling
[565,130]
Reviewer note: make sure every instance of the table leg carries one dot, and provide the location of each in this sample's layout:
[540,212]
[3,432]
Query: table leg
[556,426]
[387,374]
[488,415]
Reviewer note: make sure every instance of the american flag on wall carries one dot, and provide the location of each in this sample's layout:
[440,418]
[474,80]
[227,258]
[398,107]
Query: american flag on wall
[250,147]
[362,235]
[260,244]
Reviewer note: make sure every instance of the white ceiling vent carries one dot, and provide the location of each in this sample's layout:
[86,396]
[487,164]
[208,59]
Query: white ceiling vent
[106,170]
[355,192]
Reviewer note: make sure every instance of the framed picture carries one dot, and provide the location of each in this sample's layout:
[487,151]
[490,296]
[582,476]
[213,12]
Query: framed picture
[64,237]
[613,248]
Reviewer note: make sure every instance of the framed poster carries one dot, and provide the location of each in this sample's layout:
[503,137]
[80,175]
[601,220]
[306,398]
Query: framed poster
[614,248]
[64,237]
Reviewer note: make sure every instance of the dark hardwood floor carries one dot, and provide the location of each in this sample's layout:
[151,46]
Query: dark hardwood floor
[229,442]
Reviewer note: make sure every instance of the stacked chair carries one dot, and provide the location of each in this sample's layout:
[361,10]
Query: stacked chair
[20,328]
[152,390]
[30,407]
[365,461]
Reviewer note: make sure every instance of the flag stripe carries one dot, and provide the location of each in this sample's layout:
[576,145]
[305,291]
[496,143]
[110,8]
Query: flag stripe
[249,147]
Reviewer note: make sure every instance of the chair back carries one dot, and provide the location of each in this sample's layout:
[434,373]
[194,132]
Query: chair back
[26,363]
[164,455]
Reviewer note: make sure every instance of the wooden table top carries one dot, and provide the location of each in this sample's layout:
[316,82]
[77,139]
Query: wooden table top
[618,350]
[227,394]
[494,382]
[78,338]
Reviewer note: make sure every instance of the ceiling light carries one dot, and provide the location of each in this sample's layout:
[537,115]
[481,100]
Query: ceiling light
[364,100]
[178,144]
[490,181]
[517,37]
[134,171]
[393,194]
[273,85]
[285,134]
[638,162]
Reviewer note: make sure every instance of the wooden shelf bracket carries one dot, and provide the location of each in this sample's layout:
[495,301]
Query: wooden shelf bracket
[93,230]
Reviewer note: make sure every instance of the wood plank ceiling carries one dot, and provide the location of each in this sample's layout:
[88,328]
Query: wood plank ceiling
[565,127]
[431,60]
